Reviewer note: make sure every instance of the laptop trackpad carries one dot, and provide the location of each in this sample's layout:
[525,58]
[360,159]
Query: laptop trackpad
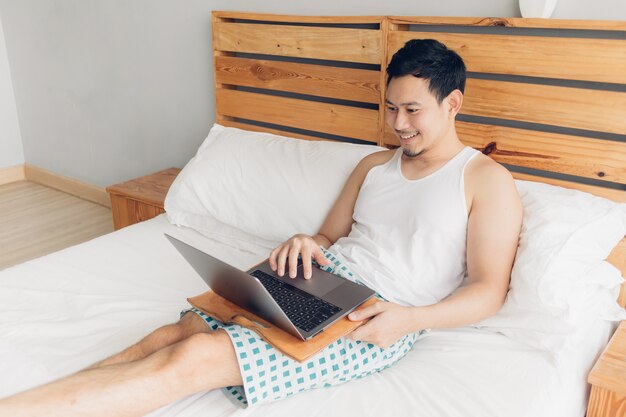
[321,282]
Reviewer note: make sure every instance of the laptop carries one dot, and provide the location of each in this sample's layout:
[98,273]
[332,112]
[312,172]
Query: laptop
[301,307]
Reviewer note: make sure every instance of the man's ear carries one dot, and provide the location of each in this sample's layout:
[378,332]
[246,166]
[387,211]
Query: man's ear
[455,101]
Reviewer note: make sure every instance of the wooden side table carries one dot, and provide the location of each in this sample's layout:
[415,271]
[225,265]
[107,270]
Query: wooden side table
[141,198]
[608,379]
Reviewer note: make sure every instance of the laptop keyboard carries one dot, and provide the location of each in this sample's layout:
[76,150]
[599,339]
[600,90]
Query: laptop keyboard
[305,311]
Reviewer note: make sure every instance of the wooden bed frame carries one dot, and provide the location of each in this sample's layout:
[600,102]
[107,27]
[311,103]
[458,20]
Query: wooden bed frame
[547,98]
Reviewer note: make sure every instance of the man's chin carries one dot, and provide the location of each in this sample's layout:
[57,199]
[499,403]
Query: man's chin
[409,153]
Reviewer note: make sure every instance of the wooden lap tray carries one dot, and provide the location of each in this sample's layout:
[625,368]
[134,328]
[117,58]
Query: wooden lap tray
[223,310]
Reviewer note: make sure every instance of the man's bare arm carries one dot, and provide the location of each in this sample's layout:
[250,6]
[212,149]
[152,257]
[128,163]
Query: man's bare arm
[493,232]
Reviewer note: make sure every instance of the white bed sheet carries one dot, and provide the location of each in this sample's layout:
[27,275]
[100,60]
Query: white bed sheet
[64,311]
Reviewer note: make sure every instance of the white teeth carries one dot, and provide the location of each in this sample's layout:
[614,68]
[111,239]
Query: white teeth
[409,136]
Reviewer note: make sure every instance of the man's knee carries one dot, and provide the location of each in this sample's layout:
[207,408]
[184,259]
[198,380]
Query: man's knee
[204,353]
[192,353]
[198,347]
[197,362]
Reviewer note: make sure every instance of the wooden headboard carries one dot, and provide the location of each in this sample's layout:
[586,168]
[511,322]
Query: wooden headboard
[546,98]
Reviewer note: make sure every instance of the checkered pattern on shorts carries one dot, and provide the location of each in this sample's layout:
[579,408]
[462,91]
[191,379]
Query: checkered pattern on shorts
[268,375]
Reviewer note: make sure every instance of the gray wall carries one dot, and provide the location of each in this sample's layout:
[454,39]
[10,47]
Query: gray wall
[107,90]
[590,10]
[11,151]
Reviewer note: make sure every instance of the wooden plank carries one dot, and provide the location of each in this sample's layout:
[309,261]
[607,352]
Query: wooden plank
[325,81]
[612,194]
[268,17]
[337,44]
[583,157]
[595,110]
[333,119]
[600,60]
[513,22]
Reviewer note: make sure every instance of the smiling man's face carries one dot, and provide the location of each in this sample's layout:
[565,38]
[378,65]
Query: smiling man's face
[414,114]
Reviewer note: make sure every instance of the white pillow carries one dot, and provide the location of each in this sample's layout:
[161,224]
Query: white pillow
[559,277]
[260,184]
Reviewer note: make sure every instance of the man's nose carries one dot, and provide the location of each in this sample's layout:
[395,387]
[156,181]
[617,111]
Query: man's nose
[401,122]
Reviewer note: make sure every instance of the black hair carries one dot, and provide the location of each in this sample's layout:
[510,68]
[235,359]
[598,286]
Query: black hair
[431,60]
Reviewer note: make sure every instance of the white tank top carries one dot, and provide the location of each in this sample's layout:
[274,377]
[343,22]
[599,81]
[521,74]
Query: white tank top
[408,239]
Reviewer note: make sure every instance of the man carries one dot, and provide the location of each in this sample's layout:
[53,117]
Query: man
[432,227]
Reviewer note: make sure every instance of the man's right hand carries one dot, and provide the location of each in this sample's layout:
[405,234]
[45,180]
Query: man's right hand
[298,245]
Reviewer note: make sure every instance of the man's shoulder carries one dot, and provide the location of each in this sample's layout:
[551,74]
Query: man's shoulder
[487,178]
[380,156]
[485,170]
[366,164]
[377,158]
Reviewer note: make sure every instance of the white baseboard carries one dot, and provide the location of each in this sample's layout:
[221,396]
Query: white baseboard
[12,174]
[68,185]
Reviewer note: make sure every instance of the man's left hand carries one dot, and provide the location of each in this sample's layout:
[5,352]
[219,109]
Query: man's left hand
[388,323]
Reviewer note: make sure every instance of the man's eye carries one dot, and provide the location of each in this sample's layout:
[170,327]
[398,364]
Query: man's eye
[392,109]
[412,111]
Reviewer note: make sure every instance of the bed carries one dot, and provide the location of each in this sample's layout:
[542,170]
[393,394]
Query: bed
[545,97]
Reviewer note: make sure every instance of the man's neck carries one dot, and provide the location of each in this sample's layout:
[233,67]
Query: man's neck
[432,158]
[439,152]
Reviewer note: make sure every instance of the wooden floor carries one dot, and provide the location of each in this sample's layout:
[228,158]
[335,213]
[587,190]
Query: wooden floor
[37,220]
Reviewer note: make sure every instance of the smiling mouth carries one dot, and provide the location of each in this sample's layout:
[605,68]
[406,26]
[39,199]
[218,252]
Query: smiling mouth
[407,136]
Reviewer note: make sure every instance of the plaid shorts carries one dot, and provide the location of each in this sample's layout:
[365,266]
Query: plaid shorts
[268,375]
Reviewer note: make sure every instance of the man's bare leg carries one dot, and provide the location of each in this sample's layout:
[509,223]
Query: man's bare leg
[188,325]
[204,361]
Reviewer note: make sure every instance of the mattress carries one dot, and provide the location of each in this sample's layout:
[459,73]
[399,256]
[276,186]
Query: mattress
[64,311]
